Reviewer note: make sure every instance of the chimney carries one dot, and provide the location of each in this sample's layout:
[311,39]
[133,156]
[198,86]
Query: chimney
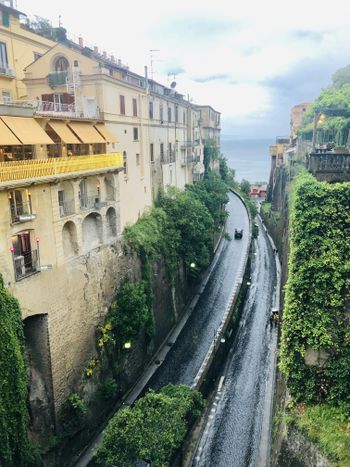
[81,41]
[119,62]
[112,59]
[105,55]
[96,49]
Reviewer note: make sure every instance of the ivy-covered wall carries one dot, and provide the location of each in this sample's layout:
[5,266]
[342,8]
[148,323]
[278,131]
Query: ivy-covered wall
[14,445]
[315,344]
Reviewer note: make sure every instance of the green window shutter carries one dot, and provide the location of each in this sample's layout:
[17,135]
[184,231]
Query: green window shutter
[5,19]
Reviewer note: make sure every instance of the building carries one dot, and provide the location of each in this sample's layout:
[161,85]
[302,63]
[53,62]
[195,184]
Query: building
[297,114]
[210,123]
[84,145]
[18,48]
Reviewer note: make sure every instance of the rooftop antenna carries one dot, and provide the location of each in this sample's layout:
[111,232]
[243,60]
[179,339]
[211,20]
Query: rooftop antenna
[59,21]
[153,59]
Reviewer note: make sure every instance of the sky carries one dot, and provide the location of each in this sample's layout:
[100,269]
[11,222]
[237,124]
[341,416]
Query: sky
[251,60]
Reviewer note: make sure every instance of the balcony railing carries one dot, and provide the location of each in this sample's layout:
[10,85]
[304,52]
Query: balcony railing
[57,78]
[36,168]
[66,208]
[6,70]
[63,110]
[89,202]
[22,212]
[46,106]
[26,264]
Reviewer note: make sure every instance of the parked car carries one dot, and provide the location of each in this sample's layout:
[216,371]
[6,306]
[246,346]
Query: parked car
[238,233]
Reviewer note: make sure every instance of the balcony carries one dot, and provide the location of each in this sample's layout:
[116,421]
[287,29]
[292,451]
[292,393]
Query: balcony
[44,169]
[5,70]
[21,212]
[57,78]
[56,109]
[66,208]
[25,265]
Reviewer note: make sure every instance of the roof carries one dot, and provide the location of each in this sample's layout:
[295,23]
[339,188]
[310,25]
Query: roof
[11,11]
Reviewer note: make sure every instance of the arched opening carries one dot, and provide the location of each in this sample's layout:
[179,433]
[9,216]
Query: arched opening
[110,187]
[61,64]
[111,223]
[66,199]
[92,231]
[89,192]
[41,410]
[69,239]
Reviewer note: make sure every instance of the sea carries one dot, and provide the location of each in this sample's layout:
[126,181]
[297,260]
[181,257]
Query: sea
[249,158]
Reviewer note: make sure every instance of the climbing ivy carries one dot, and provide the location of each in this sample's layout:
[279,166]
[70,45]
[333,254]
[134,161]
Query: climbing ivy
[15,449]
[317,302]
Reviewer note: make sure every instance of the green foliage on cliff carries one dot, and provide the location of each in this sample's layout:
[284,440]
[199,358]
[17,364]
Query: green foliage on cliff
[14,444]
[130,313]
[181,227]
[152,429]
[317,304]
[328,427]
[334,104]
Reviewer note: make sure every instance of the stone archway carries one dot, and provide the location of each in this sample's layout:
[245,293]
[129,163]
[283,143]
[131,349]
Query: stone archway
[92,231]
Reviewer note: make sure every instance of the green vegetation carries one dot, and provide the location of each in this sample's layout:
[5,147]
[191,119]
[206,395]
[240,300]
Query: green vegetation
[15,449]
[328,427]
[130,314]
[334,104]
[152,429]
[315,320]
[72,415]
[266,207]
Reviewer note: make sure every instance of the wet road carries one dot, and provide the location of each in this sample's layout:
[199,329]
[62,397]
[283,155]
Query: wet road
[188,352]
[232,436]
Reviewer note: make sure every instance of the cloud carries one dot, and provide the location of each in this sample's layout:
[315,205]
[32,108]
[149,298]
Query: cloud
[207,79]
[305,34]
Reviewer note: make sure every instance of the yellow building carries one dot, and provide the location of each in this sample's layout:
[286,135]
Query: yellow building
[18,48]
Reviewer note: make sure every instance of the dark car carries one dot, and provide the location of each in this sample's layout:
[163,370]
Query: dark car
[238,233]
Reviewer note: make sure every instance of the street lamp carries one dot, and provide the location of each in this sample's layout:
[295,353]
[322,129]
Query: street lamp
[318,118]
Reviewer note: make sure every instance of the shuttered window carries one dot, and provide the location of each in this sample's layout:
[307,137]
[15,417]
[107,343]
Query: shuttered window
[122,105]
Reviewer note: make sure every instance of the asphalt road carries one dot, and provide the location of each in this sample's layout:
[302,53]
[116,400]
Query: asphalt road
[188,352]
[233,433]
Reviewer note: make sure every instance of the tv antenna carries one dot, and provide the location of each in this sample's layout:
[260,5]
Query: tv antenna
[153,55]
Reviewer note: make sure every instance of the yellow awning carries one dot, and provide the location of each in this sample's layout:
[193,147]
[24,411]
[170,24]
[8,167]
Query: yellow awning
[64,132]
[86,132]
[108,136]
[27,130]
[7,138]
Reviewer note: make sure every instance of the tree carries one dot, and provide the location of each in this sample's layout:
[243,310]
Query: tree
[244,186]
[341,77]
[153,429]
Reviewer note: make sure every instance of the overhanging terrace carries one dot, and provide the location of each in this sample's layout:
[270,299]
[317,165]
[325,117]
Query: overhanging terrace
[46,170]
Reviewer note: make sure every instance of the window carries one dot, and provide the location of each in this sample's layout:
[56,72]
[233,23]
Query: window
[176,114]
[169,114]
[61,64]
[3,55]
[161,152]
[136,134]
[137,159]
[5,19]
[170,152]
[36,56]
[151,110]
[125,162]
[122,105]
[76,63]
[134,107]
[6,96]
[151,151]
[184,118]
[161,117]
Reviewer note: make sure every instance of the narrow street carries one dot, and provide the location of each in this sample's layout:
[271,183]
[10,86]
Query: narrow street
[188,352]
[240,412]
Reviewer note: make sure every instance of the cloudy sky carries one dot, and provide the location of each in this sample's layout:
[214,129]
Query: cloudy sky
[250,59]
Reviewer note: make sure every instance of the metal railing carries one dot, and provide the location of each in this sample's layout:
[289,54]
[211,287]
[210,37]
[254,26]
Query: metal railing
[26,264]
[46,106]
[89,202]
[6,70]
[57,78]
[20,210]
[66,208]
[36,168]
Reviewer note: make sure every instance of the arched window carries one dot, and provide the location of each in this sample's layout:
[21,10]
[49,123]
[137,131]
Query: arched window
[69,239]
[92,231]
[111,223]
[61,64]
